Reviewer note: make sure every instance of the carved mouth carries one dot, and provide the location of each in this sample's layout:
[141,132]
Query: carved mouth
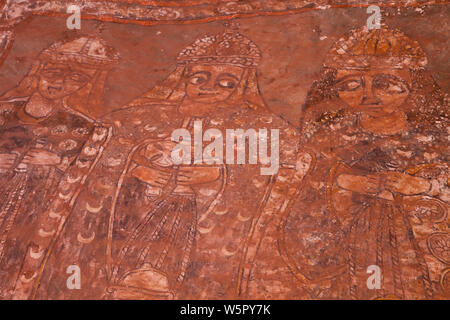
[53,90]
[371,108]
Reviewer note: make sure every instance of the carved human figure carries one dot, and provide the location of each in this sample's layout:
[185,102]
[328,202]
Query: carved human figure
[43,135]
[376,123]
[147,228]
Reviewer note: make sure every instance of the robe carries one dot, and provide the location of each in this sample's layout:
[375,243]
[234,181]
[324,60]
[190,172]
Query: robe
[208,239]
[334,236]
[28,190]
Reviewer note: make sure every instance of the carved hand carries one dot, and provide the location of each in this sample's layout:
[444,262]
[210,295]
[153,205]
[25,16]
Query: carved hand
[41,157]
[190,175]
[153,177]
[369,184]
[405,184]
[7,160]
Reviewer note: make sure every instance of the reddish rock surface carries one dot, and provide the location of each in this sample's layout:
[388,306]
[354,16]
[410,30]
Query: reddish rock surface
[340,192]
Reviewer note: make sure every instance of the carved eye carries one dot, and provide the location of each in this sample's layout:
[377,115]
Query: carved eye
[349,84]
[227,83]
[390,84]
[198,79]
[78,77]
[53,73]
[394,87]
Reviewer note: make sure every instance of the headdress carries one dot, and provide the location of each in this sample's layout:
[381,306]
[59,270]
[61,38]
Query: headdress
[85,50]
[230,47]
[90,52]
[363,48]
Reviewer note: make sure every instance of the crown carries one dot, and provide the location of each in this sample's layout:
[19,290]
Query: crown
[363,48]
[87,50]
[230,47]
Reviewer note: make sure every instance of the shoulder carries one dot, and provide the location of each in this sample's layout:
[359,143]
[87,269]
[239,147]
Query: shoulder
[268,119]
[8,110]
[288,135]
[10,106]
[154,115]
[155,110]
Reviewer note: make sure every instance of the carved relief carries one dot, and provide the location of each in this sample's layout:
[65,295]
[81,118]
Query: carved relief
[376,122]
[44,132]
[198,188]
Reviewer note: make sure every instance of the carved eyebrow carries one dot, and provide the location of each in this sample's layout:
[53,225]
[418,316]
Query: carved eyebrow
[200,72]
[355,75]
[229,75]
[82,74]
[55,69]
[72,70]
[393,77]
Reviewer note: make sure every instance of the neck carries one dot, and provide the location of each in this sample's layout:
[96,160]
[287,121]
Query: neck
[388,124]
[39,107]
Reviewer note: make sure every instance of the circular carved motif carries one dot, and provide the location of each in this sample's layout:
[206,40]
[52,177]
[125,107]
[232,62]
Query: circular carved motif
[428,210]
[445,280]
[439,246]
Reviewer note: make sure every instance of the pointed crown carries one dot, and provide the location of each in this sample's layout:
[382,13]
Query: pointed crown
[363,48]
[91,51]
[230,47]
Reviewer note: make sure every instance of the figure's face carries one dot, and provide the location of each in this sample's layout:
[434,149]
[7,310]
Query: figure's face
[374,92]
[212,83]
[59,80]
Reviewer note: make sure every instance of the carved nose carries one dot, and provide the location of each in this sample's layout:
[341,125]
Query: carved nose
[206,88]
[369,97]
[370,100]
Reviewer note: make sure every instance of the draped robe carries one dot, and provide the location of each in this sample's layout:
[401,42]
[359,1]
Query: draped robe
[340,233]
[27,190]
[214,249]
